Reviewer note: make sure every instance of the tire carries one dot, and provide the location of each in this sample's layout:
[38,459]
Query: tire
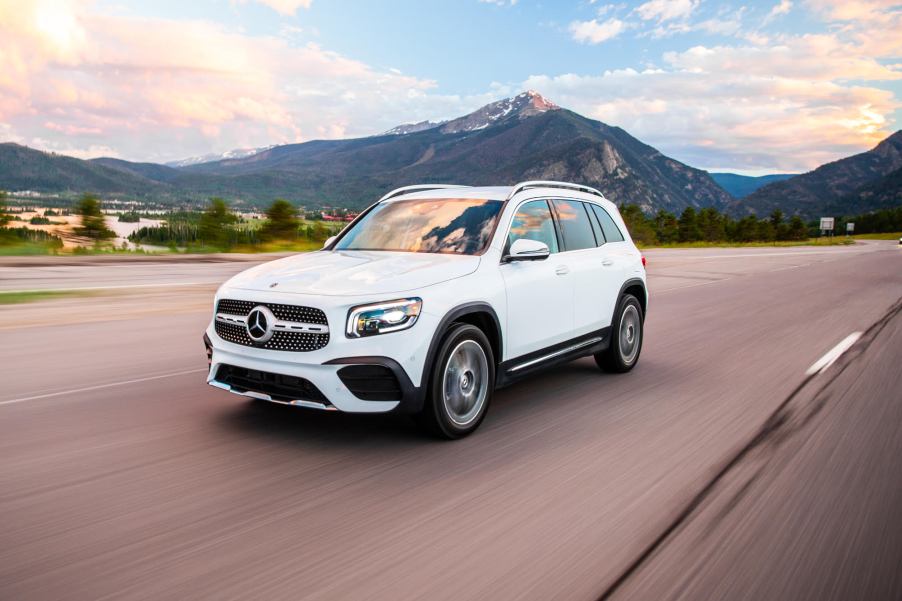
[461,383]
[627,334]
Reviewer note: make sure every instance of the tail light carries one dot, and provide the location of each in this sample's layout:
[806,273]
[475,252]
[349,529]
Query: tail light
[643,260]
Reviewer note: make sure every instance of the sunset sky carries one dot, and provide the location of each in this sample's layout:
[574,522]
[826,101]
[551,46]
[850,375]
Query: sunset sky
[754,87]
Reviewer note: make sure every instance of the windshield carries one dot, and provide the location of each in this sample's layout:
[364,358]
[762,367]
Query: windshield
[460,226]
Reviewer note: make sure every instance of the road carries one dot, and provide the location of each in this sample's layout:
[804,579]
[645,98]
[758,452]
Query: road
[123,476]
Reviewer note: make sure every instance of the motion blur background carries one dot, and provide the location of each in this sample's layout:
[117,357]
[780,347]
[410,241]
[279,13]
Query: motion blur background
[149,151]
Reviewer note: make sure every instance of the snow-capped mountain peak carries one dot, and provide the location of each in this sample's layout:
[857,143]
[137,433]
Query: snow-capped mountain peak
[237,153]
[412,128]
[521,106]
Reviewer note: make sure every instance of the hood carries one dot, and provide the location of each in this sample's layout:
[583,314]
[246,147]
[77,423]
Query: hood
[339,273]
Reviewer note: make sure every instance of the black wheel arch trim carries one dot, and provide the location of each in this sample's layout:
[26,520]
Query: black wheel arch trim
[629,284]
[450,317]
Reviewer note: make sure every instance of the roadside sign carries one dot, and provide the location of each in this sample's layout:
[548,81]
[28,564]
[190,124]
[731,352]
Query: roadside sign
[827,224]
[850,227]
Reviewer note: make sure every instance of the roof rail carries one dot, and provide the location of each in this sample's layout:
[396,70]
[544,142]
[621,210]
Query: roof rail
[551,184]
[418,188]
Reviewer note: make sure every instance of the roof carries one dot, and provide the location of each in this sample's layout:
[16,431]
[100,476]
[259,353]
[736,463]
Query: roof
[486,192]
[489,192]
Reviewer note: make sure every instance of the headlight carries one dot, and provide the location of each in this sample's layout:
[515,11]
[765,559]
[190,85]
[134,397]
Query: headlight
[382,318]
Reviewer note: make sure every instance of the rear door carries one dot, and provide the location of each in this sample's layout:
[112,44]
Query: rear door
[539,293]
[617,258]
[595,285]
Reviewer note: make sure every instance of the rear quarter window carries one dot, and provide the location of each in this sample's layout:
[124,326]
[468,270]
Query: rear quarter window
[611,232]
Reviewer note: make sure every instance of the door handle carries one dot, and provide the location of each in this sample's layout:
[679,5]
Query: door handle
[562,270]
[607,262]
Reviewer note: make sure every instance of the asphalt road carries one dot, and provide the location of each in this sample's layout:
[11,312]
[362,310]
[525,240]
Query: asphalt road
[123,476]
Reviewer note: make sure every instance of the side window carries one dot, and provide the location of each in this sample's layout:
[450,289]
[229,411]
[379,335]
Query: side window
[596,227]
[610,229]
[575,226]
[533,221]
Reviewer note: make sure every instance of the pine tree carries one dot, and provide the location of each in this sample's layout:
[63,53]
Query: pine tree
[93,222]
[282,222]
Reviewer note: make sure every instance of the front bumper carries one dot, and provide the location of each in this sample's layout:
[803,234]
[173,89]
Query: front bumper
[322,370]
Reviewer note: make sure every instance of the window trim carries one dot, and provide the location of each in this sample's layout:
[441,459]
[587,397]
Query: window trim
[557,231]
[617,227]
[563,243]
[596,225]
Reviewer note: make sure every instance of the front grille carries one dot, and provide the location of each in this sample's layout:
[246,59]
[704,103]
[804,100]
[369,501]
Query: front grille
[280,341]
[283,312]
[371,382]
[278,386]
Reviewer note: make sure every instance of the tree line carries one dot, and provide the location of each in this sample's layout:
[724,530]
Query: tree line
[709,225]
[218,227]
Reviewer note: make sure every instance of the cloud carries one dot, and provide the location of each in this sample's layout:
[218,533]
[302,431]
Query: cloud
[161,88]
[593,32]
[284,7]
[666,10]
[499,2]
[782,8]
[789,105]
[729,119]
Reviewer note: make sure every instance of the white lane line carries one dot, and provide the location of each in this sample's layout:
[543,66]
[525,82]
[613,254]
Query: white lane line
[102,386]
[114,287]
[833,354]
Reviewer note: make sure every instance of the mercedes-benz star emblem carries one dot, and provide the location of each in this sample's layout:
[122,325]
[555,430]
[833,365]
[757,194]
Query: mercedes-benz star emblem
[260,322]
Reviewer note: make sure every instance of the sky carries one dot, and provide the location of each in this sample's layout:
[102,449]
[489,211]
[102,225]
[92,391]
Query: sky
[750,87]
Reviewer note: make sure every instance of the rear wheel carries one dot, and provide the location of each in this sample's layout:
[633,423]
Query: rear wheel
[626,337]
[461,383]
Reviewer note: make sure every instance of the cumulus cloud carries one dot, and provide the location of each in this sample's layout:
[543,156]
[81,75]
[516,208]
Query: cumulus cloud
[593,32]
[717,122]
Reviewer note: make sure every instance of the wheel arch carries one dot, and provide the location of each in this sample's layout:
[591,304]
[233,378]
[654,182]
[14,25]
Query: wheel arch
[478,314]
[636,287]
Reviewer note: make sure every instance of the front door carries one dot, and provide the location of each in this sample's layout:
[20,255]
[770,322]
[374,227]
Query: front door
[539,293]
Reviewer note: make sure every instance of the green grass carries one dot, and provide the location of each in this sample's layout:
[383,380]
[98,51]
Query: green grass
[31,296]
[883,236]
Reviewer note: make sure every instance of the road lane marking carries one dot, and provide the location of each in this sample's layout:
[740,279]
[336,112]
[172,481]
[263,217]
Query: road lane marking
[833,354]
[102,386]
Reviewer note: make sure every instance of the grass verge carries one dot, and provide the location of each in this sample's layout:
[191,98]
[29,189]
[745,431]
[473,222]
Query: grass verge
[30,296]
[831,241]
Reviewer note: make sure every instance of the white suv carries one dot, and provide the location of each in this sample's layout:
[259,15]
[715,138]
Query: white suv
[431,299]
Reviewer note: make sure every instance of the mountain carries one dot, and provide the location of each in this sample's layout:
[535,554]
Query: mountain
[520,138]
[23,168]
[883,193]
[742,185]
[412,128]
[238,153]
[521,106]
[153,171]
[828,186]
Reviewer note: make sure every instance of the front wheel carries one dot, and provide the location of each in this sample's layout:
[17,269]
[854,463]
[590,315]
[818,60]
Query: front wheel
[626,337]
[461,383]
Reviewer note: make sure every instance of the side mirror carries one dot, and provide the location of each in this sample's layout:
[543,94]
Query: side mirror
[527,250]
[329,241]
